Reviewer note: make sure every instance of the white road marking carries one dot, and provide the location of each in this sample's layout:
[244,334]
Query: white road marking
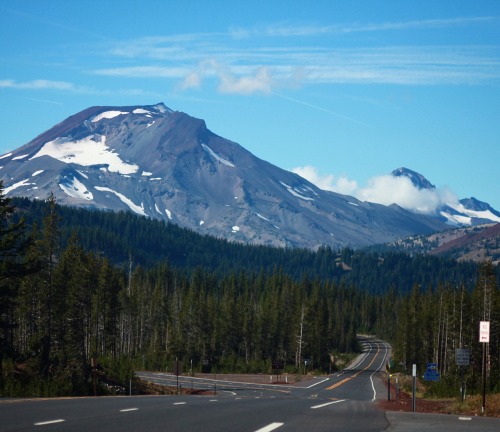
[129,409]
[179,403]
[319,382]
[270,427]
[44,423]
[328,403]
[213,400]
[465,418]
[374,372]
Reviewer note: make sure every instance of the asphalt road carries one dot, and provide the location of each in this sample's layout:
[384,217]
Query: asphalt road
[340,402]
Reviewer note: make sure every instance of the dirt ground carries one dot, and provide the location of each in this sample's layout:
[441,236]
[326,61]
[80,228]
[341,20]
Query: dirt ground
[472,405]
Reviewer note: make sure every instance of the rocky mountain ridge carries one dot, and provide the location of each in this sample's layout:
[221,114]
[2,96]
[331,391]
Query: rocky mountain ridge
[167,165]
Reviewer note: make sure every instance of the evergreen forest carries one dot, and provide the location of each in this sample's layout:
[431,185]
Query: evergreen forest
[82,289]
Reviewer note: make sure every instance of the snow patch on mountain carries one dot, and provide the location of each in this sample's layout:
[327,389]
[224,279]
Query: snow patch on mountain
[76,189]
[37,173]
[465,215]
[91,150]
[161,108]
[142,111]
[295,192]
[6,155]
[20,157]
[134,207]
[107,115]
[216,156]
[17,185]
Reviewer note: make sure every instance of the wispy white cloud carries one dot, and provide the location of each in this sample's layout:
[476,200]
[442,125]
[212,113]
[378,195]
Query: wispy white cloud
[255,60]
[305,65]
[43,101]
[291,30]
[144,72]
[38,84]
[329,182]
[316,107]
[247,81]
[68,87]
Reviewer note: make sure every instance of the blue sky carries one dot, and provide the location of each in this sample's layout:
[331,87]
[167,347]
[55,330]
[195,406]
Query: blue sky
[342,92]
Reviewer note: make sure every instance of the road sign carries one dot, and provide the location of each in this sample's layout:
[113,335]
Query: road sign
[177,367]
[462,357]
[278,364]
[484,331]
[431,374]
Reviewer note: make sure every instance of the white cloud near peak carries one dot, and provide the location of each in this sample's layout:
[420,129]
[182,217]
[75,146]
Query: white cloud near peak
[327,182]
[383,189]
[388,189]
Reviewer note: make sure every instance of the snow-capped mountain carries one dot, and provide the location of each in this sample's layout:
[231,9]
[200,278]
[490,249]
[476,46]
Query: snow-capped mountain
[167,165]
[465,212]
[418,180]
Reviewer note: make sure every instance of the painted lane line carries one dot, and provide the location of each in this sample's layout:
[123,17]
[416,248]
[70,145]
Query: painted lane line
[379,368]
[129,409]
[465,418]
[319,382]
[44,423]
[179,403]
[270,427]
[333,386]
[328,403]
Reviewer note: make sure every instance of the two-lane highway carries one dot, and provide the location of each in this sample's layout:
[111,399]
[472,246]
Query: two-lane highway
[340,402]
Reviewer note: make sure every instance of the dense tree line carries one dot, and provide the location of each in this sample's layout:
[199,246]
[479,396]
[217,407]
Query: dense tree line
[122,237]
[433,324]
[63,304]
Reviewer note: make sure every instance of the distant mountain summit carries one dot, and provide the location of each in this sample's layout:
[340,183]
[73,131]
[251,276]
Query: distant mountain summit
[167,165]
[467,212]
[417,179]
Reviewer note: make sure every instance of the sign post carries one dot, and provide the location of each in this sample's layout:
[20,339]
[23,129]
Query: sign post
[484,338]
[177,371]
[278,366]
[414,395]
[388,371]
[462,358]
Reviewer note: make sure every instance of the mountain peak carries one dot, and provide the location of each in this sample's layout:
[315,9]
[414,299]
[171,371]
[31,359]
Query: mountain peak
[167,165]
[416,178]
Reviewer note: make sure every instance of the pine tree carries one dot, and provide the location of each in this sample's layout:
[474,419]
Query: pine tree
[12,267]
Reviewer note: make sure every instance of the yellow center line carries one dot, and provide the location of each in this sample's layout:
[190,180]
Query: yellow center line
[334,386]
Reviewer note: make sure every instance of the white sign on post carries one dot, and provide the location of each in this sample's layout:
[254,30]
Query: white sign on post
[484,331]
